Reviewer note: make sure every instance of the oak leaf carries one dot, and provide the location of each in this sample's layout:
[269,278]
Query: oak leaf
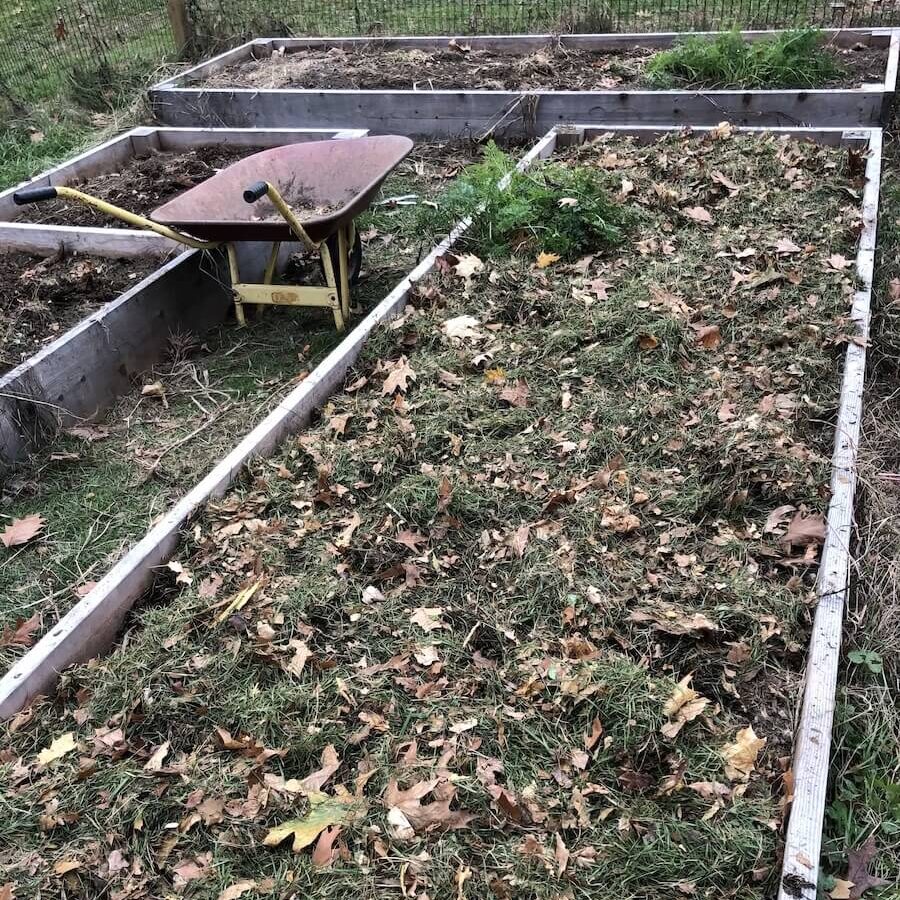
[21,634]
[323,811]
[517,394]
[421,817]
[858,861]
[399,377]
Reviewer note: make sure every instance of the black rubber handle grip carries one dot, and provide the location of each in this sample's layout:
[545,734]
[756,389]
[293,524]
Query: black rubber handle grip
[255,191]
[34,195]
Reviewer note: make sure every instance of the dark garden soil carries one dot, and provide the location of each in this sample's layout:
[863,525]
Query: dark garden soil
[140,186]
[41,298]
[454,68]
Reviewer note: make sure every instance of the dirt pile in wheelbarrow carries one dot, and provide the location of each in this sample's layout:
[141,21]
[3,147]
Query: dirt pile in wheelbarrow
[41,298]
[140,186]
[456,68]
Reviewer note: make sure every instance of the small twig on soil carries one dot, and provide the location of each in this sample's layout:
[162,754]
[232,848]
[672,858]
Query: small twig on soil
[187,439]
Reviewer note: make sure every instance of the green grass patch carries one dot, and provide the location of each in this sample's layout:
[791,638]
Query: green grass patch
[795,58]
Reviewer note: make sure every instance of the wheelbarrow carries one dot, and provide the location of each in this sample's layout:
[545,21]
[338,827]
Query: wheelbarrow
[310,192]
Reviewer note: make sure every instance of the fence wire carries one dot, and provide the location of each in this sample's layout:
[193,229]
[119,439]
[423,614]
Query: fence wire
[92,49]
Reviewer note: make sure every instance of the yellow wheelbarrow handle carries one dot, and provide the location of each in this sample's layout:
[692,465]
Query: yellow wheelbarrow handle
[36,195]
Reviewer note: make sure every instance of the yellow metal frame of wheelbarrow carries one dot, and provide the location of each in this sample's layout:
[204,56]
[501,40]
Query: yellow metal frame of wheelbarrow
[334,296]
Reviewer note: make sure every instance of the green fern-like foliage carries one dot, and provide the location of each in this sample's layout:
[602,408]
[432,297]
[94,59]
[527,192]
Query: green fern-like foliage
[552,208]
[794,59]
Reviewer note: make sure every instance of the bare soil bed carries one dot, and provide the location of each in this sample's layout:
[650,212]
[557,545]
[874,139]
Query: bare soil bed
[453,69]
[40,298]
[104,484]
[524,613]
[140,187]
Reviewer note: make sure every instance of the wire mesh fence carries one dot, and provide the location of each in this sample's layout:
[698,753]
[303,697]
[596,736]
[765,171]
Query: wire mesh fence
[92,48]
[217,22]
[45,45]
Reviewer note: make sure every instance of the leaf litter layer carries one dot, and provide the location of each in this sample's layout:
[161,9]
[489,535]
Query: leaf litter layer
[99,487]
[524,613]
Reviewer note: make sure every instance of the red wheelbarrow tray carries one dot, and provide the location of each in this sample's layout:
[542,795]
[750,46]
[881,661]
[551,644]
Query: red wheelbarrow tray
[327,184]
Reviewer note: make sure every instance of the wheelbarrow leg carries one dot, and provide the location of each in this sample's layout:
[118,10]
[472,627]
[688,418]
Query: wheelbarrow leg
[328,268]
[344,245]
[269,274]
[235,272]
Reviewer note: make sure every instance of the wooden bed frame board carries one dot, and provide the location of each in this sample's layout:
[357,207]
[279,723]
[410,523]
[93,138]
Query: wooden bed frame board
[109,157]
[80,375]
[92,625]
[455,113]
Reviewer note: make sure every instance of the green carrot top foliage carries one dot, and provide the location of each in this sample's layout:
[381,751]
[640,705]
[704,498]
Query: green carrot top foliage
[552,208]
[796,58]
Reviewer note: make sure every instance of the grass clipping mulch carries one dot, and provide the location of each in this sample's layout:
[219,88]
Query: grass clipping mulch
[525,612]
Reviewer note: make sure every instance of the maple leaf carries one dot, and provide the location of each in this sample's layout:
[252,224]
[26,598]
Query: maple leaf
[682,707]
[517,394]
[430,816]
[858,869]
[468,265]
[21,531]
[58,748]
[323,811]
[21,634]
[398,377]
[699,215]
[740,757]
[462,328]
[545,259]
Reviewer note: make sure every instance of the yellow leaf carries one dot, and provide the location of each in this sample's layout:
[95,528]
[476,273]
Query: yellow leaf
[238,889]
[324,811]
[740,757]
[682,707]
[59,748]
[546,259]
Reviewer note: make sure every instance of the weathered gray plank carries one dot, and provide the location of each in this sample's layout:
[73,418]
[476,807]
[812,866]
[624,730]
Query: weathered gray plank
[812,745]
[80,374]
[456,113]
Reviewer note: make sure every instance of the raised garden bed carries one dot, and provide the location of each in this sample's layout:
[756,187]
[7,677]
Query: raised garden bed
[134,169]
[103,484]
[505,84]
[98,278]
[550,504]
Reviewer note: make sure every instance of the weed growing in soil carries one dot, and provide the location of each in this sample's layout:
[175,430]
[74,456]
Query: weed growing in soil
[523,612]
[560,210]
[795,58]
